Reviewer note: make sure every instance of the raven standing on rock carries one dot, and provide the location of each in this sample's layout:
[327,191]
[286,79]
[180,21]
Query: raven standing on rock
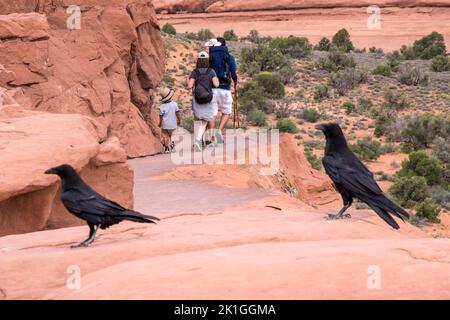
[85,203]
[353,180]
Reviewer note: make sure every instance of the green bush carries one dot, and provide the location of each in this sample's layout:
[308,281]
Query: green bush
[347,79]
[412,76]
[335,61]
[191,36]
[349,107]
[310,115]
[427,209]
[205,34]
[366,148]
[382,124]
[287,125]
[257,118]
[409,190]
[168,80]
[440,63]
[383,69]
[364,103]
[419,163]
[271,84]
[429,46]
[323,45]
[262,58]
[395,100]
[229,35]
[441,149]
[420,131]
[252,97]
[441,196]
[287,74]
[295,47]
[321,92]
[394,59]
[313,160]
[253,36]
[169,29]
[407,53]
[342,41]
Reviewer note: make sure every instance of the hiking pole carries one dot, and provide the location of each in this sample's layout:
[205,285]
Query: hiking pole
[235,107]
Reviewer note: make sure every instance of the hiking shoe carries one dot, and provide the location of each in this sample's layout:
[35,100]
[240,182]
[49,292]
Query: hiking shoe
[219,137]
[212,145]
[198,146]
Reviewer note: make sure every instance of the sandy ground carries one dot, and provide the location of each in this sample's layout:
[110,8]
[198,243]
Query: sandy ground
[398,26]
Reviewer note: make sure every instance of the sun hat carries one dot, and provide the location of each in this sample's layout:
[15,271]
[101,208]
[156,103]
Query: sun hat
[166,94]
[213,43]
[203,54]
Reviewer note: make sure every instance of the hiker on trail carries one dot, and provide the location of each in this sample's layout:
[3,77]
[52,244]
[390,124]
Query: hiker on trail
[224,64]
[201,81]
[169,118]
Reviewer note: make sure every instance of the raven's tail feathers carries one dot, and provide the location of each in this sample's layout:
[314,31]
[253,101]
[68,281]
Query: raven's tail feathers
[139,217]
[384,206]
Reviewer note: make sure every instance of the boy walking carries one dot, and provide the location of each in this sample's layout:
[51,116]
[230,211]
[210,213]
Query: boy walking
[169,118]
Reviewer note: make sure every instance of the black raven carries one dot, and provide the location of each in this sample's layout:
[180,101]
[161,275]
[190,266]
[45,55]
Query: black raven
[85,203]
[352,179]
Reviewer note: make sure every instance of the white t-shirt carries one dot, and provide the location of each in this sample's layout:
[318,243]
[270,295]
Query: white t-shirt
[168,111]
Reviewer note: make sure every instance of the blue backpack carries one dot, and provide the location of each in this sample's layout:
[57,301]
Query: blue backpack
[219,57]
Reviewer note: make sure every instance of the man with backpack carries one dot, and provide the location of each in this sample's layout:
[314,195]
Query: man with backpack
[224,64]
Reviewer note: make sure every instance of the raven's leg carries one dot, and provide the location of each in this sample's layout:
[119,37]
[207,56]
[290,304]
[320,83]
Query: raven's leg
[348,200]
[92,231]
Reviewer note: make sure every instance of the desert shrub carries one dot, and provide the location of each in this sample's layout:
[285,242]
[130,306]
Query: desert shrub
[321,92]
[412,76]
[230,35]
[313,160]
[388,148]
[409,190]
[364,103]
[383,69]
[253,36]
[262,58]
[366,148]
[429,46]
[295,47]
[346,79]
[382,124]
[323,45]
[428,210]
[420,131]
[287,74]
[419,163]
[441,196]
[253,97]
[310,115]
[287,125]
[393,60]
[169,29]
[376,50]
[440,63]
[205,34]
[191,36]
[395,100]
[257,118]
[407,53]
[188,124]
[342,41]
[168,80]
[335,61]
[349,107]
[441,149]
[271,84]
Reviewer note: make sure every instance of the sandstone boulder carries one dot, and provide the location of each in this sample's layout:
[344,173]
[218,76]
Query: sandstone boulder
[30,143]
[107,69]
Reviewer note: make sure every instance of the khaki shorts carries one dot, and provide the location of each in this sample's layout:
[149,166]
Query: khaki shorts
[224,100]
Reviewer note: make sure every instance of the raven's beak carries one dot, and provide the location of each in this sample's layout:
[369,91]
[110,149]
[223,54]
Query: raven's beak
[320,127]
[50,171]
